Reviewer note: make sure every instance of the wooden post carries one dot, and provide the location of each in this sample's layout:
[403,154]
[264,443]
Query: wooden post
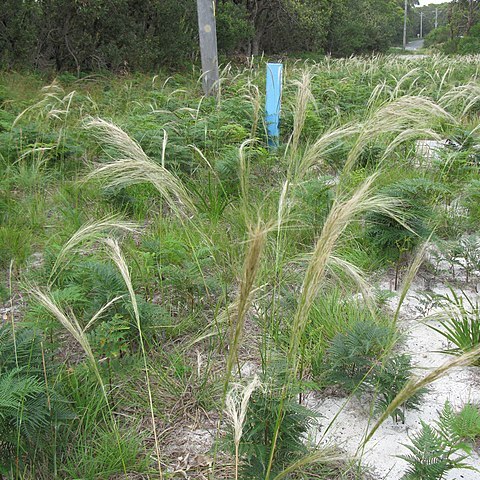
[208,45]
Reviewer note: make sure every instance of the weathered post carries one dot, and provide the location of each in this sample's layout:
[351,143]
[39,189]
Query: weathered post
[273,102]
[208,45]
[405,14]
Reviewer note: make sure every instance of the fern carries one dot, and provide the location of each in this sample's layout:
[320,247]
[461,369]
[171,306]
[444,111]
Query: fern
[430,457]
[445,421]
[466,423]
[461,427]
[435,450]
[227,168]
[27,408]
[26,412]
[88,285]
[102,279]
[23,350]
[20,403]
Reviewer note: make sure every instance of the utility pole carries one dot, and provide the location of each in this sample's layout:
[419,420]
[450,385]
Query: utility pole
[421,24]
[405,26]
[208,45]
[436,18]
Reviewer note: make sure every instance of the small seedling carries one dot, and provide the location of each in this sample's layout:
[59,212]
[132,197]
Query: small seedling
[427,301]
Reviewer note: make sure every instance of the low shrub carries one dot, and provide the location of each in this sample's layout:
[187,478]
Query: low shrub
[330,316]
[354,353]
[470,44]
[388,379]
[259,429]
[436,36]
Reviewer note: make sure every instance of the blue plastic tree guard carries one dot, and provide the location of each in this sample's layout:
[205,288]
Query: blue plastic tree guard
[273,102]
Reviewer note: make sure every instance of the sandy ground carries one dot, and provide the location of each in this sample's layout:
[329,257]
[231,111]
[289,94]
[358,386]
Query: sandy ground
[344,422]
[459,387]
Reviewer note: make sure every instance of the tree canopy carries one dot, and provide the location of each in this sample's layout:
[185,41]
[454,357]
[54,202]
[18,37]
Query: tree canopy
[86,35]
[458,27]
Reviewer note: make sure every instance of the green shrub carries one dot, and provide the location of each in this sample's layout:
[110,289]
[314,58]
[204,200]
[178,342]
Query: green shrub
[388,379]
[258,433]
[110,338]
[184,270]
[415,197]
[437,35]
[354,353]
[450,47]
[330,316]
[470,44]
[233,27]
[99,281]
[6,118]
[227,168]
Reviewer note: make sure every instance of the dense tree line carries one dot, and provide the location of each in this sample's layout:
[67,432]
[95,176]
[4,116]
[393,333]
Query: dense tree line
[460,32]
[430,12]
[143,34]
[359,26]
[463,15]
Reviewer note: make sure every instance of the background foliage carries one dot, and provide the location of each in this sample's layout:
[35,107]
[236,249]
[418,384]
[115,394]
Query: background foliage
[83,35]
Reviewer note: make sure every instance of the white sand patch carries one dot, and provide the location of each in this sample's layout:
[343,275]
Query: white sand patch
[348,429]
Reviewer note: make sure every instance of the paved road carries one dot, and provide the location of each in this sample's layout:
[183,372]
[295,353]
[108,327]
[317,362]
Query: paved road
[415,45]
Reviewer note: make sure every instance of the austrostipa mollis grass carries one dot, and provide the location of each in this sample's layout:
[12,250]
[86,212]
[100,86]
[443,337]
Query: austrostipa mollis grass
[113,249]
[134,167]
[236,404]
[90,232]
[274,298]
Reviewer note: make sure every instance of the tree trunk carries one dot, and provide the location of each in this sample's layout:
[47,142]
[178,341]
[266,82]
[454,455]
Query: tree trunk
[257,38]
[471,15]
[256,45]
